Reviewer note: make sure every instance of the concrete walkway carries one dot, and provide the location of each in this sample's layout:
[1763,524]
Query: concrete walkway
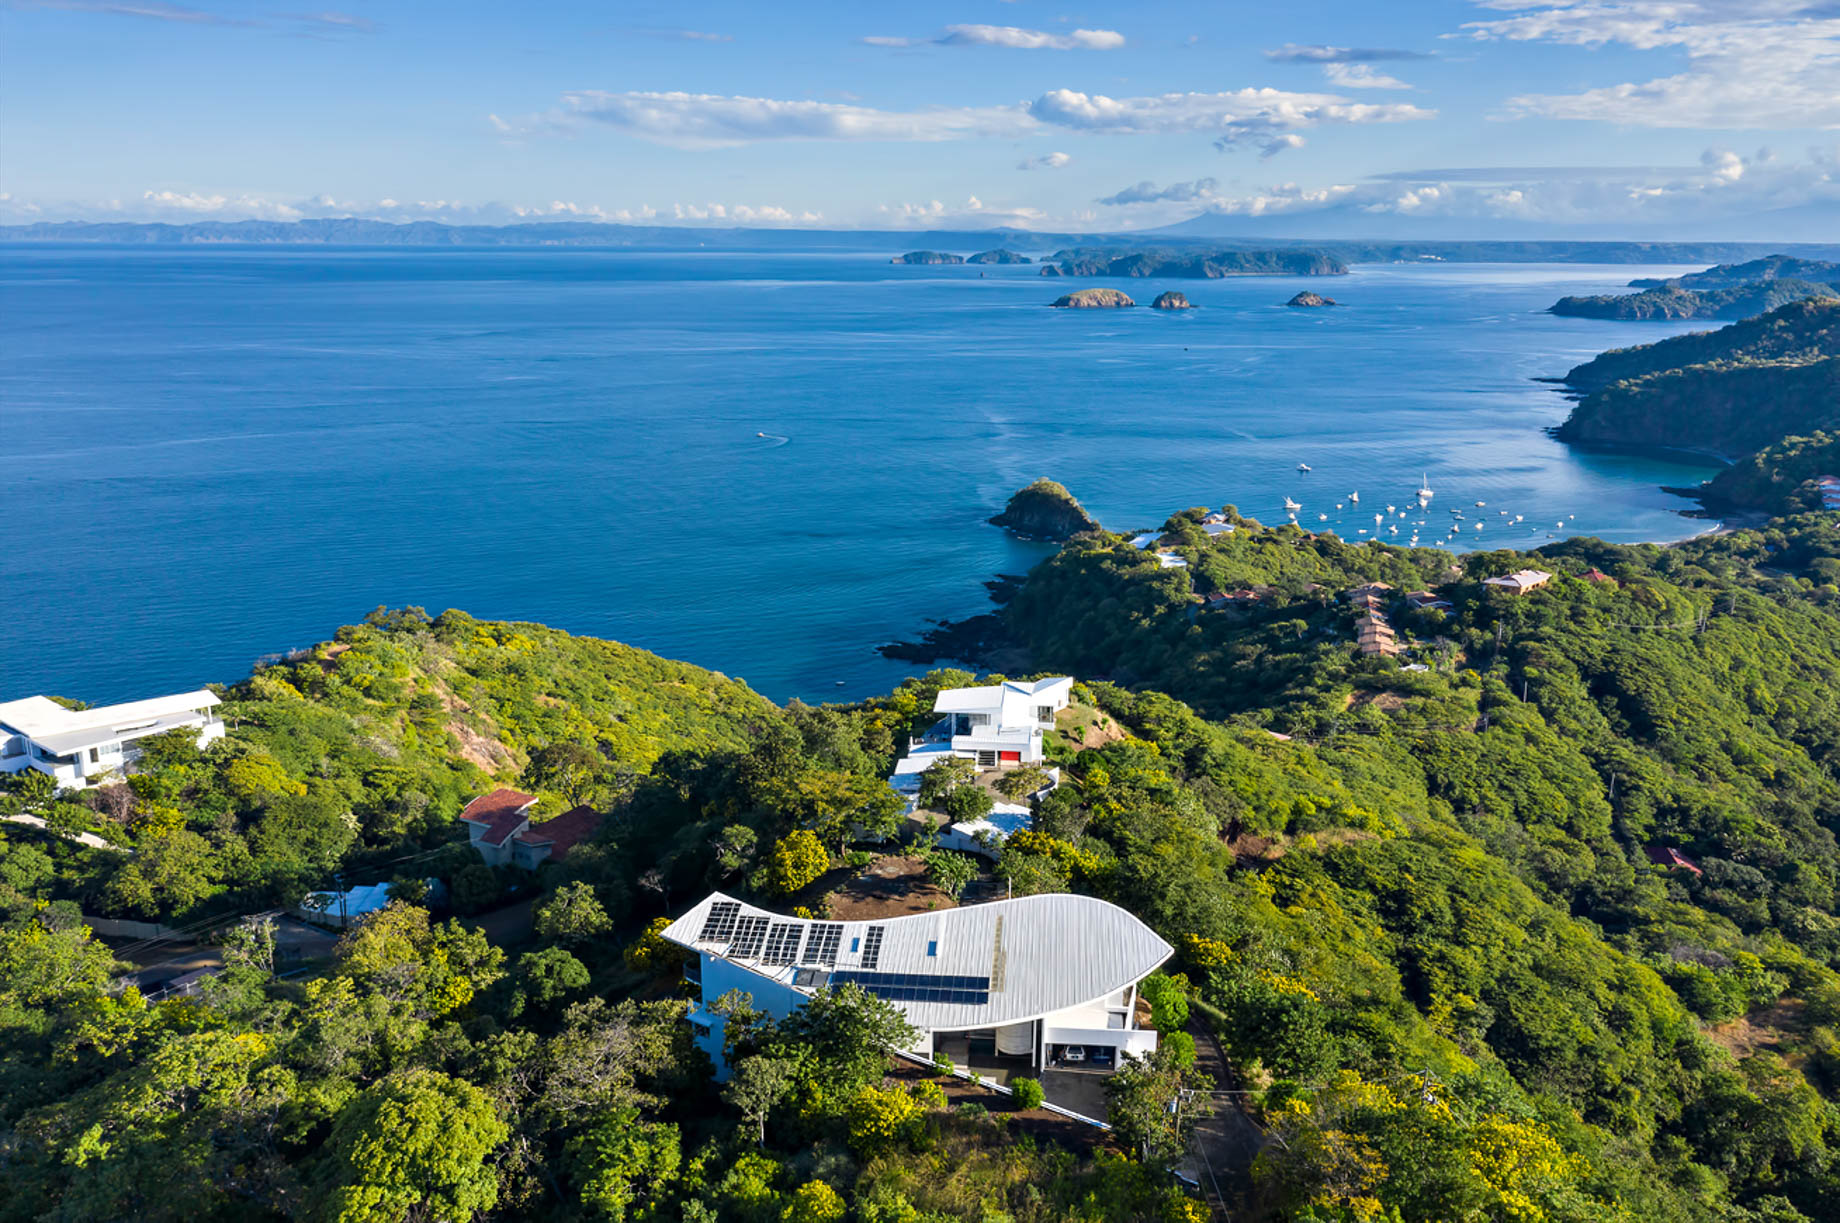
[82,838]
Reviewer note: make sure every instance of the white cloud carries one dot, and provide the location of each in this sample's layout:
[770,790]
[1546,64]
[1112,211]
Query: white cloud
[1360,76]
[1749,63]
[1149,193]
[701,120]
[150,9]
[973,214]
[1317,53]
[1013,37]
[704,36]
[1266,117]
[322,22]
[1047,161]
[1030,40]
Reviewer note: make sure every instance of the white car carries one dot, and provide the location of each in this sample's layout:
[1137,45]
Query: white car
[1074,1053]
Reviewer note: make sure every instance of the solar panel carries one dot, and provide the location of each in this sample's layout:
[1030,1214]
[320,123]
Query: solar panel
[783,943]
[821,946]
[720,926]
[872,947]
[919,987]
[749,932]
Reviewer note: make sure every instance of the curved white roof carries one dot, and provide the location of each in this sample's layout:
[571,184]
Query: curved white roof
[979,966]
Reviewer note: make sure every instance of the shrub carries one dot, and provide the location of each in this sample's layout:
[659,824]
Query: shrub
[1028,1093]
[797,860]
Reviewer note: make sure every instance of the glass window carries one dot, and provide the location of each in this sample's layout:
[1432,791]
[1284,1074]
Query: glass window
[932,947]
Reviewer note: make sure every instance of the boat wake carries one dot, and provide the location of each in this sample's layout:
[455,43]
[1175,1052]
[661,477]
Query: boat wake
[772,440]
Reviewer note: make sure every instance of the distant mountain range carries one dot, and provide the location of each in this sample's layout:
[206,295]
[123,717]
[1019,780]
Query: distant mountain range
[357,232]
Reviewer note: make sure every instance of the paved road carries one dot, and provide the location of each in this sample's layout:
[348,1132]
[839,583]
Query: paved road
[1226,1141]
[82,838]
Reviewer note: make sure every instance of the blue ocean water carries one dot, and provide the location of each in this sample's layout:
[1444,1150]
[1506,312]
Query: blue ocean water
[764,463]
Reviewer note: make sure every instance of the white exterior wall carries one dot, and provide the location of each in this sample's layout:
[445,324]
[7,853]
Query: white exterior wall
[721,976]
[77,769]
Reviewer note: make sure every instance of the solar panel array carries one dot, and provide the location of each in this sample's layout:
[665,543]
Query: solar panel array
[821,947]
[919,987]
[783,943]
[872,947]
[720,927]
[749,933]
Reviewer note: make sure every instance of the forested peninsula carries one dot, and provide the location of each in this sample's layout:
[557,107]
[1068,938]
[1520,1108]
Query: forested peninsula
[1191,265]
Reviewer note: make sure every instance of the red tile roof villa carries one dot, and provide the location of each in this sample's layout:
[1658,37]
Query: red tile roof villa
[497,815]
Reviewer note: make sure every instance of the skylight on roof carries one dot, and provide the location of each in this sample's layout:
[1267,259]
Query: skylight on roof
[872,947]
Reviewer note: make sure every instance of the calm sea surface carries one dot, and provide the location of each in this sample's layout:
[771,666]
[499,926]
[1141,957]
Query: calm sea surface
[215,454]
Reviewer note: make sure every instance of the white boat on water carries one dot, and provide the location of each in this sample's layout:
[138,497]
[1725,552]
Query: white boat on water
[1303,467]
[1291,506]
[1424,487]
[1322,517]
[1354,498]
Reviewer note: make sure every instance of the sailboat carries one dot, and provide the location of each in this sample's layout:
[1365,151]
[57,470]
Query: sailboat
[1291,506]
[1424,486]
[1354,498]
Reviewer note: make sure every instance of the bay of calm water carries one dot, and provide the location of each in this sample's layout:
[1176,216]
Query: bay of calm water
[213,454]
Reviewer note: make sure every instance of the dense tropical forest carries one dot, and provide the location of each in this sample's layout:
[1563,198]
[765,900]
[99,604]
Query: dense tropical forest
[1762,394]
[1534,921]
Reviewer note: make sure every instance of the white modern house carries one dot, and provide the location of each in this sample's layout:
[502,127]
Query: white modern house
[78,747]
[1027,982]
[1001,725]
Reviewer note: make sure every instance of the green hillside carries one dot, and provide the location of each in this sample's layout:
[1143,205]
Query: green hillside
[1792,334]
[1778,479]
[1670,301]
[1727,410]
[1412,898]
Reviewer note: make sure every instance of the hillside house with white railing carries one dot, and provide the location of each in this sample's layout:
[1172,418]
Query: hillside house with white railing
[1023,984]
[1002,725]
[79,747]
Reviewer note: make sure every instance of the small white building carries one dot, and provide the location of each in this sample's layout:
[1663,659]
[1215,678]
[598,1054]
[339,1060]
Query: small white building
[1519,582]
[1022,981]
[79,747]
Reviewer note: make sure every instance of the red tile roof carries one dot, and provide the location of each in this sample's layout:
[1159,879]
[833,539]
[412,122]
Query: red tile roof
[564,832]
[501,813]
[1667,855]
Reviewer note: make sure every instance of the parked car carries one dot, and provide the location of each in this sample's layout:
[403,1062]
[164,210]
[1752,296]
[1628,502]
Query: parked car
[1074,1053]
[1099,1056]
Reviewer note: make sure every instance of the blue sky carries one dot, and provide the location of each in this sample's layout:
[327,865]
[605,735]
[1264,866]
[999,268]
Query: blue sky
[1662,117]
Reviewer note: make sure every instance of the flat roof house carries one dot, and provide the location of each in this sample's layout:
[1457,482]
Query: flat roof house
[79,747]
[1002,725]
[1020,981]
[1519,582]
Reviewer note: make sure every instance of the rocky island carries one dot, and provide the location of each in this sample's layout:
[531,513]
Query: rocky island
[1307,300]
[1045,510]
[999,256]
[1172,300]
[1093,299]
[925,257]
